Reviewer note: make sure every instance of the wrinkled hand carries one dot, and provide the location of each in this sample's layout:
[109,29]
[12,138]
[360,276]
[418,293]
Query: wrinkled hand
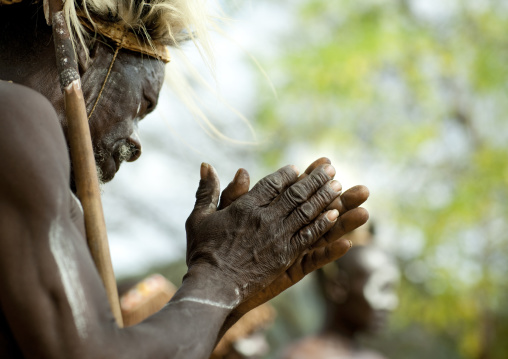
[325,250]
[256,238]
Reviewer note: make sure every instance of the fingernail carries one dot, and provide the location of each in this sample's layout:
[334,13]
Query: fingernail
[295,169]
[336,186]
[330,171]
[350,243]
[204,170]
[332,215]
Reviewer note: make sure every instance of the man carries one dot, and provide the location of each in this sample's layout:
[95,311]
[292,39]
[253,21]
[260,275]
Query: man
[241,253]
[359,294]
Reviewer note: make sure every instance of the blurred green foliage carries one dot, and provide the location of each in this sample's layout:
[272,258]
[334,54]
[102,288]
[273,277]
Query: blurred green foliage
[417,100]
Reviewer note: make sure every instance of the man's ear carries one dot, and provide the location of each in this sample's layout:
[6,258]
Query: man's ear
[337,288]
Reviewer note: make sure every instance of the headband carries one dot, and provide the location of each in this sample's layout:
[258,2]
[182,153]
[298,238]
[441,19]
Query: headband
[127,40]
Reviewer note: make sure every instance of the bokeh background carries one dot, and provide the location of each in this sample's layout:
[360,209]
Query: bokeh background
[407,97]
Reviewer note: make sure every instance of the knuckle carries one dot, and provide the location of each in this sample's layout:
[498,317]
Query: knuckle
[305,213]
[318,178]
[203,193]
[313,232]
[288,174]
[304,237]
[273,182]
[242,207]
[297,193]
[321,225]
[324,197]
[191,222]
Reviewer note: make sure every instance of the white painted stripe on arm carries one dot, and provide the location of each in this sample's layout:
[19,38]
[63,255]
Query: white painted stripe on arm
[65,257]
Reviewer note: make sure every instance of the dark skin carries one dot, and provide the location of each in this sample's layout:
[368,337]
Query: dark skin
[242,253]
[325,249]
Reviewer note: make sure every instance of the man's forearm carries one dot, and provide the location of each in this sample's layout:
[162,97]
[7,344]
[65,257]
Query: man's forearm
[189,326]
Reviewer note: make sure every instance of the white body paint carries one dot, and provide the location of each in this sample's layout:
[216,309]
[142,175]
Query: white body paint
[64,253]
[380,289]
[203,301]
[76,199]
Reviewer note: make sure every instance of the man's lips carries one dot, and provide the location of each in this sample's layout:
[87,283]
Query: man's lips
[117,160]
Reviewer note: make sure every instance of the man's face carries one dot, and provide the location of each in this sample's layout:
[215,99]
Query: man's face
[129,94]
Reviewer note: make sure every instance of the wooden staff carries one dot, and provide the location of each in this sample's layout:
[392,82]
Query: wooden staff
[83,161]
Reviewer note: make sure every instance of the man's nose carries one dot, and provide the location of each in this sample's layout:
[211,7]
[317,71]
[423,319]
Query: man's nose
[135,144]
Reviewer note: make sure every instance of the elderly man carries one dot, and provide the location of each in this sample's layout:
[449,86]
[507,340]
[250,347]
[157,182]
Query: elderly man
[241,253]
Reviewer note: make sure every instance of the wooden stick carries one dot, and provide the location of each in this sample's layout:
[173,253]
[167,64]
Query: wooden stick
[83,161]
[146,298]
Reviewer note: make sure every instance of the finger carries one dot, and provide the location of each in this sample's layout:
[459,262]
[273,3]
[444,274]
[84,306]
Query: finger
[346,223]
[308,235]
[207,194]
[318,257]
[350,199]
[238,187]
[315,205]
[272,185]
[300,192]
[314,165]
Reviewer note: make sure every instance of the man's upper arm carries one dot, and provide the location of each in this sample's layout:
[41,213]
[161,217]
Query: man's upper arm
[44,263]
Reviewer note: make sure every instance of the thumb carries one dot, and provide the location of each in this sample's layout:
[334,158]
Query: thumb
[207,194]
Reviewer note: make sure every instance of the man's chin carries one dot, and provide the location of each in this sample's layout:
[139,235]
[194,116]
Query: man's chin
[106,171]
[104,177]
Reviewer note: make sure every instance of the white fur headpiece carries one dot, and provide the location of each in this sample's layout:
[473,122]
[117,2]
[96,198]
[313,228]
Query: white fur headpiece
[146,26]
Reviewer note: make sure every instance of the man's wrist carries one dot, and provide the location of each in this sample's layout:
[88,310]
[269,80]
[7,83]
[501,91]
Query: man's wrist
[202,284]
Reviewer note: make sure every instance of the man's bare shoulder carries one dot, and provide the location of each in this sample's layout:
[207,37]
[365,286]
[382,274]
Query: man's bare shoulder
[35,156]
[24,109]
